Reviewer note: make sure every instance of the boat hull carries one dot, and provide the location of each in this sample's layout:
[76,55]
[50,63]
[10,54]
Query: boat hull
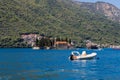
[89,56]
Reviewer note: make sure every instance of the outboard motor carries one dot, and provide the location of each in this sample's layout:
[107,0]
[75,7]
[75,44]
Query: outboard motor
[71,57]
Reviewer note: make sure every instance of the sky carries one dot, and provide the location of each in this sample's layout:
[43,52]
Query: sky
[114,2]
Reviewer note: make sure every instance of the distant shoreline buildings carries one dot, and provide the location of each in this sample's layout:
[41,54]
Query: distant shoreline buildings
[45,42]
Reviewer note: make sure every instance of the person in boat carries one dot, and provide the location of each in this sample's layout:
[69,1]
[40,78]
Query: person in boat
[73,57]
[84,53]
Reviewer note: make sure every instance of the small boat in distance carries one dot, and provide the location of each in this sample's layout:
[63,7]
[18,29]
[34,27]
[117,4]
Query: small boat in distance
[36,48]
[75,55]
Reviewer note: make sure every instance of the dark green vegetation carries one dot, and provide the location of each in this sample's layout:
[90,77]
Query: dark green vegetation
[50,42]
[57,18]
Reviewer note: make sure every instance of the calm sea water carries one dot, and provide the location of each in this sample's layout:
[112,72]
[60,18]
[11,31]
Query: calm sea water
[28,64]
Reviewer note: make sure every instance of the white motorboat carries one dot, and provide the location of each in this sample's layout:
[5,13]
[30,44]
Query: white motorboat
[75,55]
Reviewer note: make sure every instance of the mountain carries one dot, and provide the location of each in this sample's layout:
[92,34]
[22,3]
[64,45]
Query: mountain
[109,10]
[57,18]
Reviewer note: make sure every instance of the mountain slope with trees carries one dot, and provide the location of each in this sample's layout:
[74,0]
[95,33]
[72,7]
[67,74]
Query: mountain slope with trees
[57,18]
[109,10]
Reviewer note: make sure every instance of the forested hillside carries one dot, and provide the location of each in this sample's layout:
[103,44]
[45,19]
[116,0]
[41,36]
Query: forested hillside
[57,18]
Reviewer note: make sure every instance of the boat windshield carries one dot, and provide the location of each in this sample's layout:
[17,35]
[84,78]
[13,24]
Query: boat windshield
[75,53]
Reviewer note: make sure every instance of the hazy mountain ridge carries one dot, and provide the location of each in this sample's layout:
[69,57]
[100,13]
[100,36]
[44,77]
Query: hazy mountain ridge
[57,18]
[109,10]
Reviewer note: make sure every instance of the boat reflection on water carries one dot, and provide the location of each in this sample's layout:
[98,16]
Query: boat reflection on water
[83,63]
[83,68]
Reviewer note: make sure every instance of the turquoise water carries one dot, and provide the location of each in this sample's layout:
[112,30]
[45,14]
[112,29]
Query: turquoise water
[28,64]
